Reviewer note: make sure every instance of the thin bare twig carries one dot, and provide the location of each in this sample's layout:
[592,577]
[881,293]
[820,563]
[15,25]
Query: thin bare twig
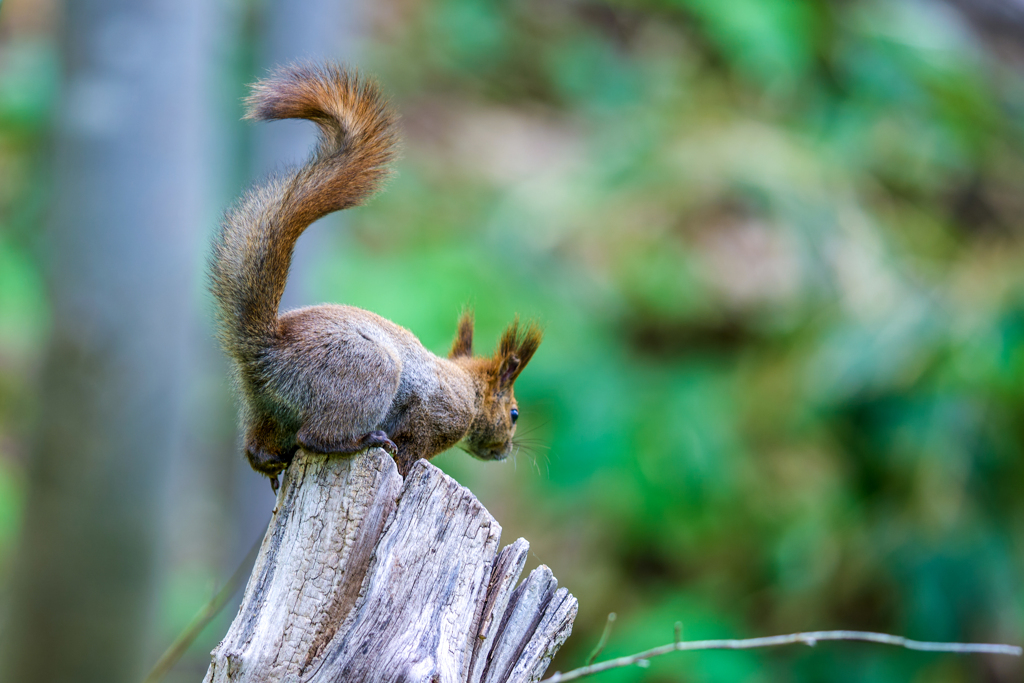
[603,640]
[210,610]
[810,638]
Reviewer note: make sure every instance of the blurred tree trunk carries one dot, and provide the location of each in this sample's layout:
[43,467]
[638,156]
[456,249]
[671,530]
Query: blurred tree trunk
[122,251]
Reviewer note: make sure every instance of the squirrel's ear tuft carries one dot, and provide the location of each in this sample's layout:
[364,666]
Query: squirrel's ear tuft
[463,345]
[516,348]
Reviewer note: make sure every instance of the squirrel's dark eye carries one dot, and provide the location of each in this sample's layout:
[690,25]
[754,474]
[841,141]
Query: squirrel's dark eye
[515,415]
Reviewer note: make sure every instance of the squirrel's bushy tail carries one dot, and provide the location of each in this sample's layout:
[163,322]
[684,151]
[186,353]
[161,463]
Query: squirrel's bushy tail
[253,250]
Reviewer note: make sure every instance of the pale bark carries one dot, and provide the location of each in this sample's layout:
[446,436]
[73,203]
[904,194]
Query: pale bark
[364,577]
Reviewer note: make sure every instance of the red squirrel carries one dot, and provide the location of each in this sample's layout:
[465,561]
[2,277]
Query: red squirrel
[334,378]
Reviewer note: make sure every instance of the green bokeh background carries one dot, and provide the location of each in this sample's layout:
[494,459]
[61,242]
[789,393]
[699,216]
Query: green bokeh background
[777,250]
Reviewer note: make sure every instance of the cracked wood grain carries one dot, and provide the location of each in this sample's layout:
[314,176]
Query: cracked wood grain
[365,577]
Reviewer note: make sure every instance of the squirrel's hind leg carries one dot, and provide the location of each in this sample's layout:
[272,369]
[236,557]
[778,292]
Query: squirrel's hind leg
[350,380]
[310,440]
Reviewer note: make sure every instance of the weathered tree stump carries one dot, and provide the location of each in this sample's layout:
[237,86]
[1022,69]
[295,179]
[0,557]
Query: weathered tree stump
[364,577]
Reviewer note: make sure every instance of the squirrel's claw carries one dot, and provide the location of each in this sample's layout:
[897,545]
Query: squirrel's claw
[274,484]
[380,439]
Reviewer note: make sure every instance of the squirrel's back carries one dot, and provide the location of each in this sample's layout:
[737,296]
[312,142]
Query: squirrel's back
[252,252]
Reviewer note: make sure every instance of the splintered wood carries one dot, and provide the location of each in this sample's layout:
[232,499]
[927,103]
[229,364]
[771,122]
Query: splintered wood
[364,577]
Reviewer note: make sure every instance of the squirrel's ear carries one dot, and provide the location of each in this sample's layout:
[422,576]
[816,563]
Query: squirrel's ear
[463,344]
[508,371]
[515,350]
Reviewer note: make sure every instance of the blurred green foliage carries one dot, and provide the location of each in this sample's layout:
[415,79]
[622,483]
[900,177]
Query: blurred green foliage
[777,248]
[28,83]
